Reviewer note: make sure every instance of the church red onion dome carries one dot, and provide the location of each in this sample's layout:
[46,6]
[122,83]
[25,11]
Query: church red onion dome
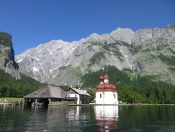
[105,86]
[101,78]
[106,76]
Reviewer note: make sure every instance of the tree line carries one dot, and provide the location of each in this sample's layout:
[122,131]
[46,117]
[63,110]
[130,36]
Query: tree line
[11,87]
[133,90]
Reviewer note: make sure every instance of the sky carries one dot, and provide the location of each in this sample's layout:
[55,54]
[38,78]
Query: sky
[32,22]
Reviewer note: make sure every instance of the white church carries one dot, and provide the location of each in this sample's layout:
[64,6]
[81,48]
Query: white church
[106,93]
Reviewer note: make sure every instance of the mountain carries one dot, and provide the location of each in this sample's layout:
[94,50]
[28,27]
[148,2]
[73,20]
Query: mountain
[12,82]
[145,52]
[7,61]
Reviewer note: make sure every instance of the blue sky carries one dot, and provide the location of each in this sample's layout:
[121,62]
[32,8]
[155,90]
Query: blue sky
[32,22]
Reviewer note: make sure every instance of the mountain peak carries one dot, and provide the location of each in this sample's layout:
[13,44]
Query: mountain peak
[59,62]
[123,34]
[119,34]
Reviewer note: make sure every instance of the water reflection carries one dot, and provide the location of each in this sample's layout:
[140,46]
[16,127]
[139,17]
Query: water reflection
[107,117]
[73,113]
[88,119]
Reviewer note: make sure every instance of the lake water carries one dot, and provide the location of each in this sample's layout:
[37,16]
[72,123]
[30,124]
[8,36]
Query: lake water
[125,118]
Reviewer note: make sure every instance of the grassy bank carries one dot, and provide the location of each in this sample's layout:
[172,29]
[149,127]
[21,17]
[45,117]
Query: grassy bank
[11,100]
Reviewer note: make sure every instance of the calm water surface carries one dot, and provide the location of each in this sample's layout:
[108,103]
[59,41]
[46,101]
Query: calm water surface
[150,118]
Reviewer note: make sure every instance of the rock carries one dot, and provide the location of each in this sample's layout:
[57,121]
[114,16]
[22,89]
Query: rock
[146,51]
[7,60]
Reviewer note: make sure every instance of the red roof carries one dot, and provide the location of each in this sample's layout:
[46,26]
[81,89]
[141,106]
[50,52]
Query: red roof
[101,78]
[106,87]
[106,76]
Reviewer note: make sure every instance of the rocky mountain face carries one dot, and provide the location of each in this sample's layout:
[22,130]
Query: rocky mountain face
[7,60]
[146,52]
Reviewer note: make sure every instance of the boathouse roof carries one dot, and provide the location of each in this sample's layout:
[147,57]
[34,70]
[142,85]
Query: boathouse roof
[47,92]
[78,91]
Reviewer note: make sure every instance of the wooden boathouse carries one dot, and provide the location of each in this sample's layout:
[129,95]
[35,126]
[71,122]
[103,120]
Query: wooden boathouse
[49,95]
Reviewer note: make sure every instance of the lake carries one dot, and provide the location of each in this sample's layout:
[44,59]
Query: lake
[122,118]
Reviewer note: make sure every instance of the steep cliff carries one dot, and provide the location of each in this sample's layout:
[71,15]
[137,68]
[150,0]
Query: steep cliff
[7,60]
[12,82]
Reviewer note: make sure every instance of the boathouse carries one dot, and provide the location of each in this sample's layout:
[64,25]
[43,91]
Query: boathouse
[49,95]
[81,95]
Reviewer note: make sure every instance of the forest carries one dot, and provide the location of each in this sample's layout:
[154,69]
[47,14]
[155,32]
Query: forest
[11,87]
[131,89]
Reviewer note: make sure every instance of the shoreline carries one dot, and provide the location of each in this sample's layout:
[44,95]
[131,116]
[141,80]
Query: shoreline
[8,103]
[113,104]
[91,104]
[5,103]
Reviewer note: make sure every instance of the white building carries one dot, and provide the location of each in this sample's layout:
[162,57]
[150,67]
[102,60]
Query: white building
[82,97]
[106,93]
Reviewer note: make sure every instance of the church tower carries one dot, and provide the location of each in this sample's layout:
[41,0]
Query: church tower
[106,93]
